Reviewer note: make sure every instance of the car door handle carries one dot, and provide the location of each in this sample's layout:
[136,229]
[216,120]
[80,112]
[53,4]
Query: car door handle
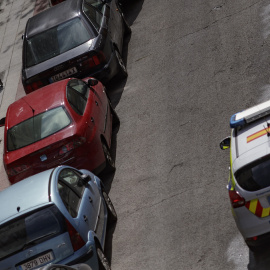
[85,218]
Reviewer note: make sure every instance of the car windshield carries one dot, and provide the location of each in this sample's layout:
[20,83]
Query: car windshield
[30,230]
[36,128]
[255,176]
[56,41]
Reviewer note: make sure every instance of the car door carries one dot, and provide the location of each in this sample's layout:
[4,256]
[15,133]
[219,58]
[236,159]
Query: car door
[90,103]
[81,201]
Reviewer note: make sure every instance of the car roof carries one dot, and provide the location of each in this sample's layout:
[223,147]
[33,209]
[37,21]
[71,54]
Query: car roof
[25,196]
[251,142]
[45,98]
[52,16]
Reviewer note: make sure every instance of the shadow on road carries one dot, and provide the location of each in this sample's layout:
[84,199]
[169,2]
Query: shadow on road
[259,260]
[115,90]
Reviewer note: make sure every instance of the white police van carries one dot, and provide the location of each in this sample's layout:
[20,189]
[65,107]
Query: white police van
[249,180]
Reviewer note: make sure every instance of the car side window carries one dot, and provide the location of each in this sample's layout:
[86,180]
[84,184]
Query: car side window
[77,95]
[70,190]
[93,13]
[100,5]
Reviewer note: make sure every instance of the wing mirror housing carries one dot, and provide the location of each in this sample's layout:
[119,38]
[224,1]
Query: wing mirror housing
[84,179]
[92,82]
[2,121]
[225,143]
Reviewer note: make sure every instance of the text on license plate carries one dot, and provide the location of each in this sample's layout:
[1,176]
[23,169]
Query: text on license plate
[64,74]
[41,260]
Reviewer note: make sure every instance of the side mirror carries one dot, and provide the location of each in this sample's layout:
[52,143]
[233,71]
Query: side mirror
[92,82]
[84,179]
[2,121]
[225,143]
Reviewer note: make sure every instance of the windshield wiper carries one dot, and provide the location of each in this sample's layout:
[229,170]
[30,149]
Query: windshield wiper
[36,240]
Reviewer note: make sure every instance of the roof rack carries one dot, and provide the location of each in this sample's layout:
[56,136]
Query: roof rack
[250,115]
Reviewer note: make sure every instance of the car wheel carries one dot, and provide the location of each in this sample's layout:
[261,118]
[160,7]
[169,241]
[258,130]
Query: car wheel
[112,216]
[126,25]
[102,260]
[115,120]
[122,70]
[109,160]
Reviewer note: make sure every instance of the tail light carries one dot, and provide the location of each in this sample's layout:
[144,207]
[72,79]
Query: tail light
[33,86]
[75,238]
[94,61]
[71,145]
[16,170]
[254,238]
[236,199]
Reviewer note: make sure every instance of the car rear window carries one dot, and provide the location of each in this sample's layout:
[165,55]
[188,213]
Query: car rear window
[30,230]
[36,128]
[254,176]
[56,41]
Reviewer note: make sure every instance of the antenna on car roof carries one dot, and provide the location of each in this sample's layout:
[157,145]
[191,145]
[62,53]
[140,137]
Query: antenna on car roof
[33,110]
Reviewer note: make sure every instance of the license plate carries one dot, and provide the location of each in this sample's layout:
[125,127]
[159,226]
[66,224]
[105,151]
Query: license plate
[64,74]
[41,260]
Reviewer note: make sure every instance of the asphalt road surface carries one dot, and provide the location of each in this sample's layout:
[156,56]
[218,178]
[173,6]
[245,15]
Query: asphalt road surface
[192,64]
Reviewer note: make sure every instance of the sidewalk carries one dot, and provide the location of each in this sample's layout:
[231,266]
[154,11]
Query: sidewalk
[13,18]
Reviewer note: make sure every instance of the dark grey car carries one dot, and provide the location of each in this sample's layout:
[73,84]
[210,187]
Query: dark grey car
[74,38]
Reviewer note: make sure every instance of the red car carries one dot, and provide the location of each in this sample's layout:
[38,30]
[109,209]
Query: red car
[68,122]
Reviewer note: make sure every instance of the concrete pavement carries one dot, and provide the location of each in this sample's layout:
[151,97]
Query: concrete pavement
[13,18]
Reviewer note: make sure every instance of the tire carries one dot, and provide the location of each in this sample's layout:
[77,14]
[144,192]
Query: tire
[102,260]
[126,25]
[122,70]
[110,165]
[115,120]
[112,216]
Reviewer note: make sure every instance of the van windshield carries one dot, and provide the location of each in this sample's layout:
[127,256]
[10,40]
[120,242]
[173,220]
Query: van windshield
[255,176]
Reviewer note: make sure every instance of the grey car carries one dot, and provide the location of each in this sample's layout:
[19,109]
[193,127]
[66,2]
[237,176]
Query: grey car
[74,39]
[58,216]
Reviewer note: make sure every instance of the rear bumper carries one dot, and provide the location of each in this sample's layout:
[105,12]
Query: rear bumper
[107,72]
[249,224]
[262,240]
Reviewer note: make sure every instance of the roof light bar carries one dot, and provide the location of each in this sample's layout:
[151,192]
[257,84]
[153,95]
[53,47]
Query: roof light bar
[250,115]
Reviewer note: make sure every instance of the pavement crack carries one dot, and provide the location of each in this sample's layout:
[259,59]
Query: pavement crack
[214,22]
[139,59]
[175,166]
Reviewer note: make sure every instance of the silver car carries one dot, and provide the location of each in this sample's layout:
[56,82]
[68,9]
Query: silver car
[65,267]
[58,216]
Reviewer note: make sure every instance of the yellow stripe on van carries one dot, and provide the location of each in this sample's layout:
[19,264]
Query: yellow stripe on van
[265,212]
[253,205]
